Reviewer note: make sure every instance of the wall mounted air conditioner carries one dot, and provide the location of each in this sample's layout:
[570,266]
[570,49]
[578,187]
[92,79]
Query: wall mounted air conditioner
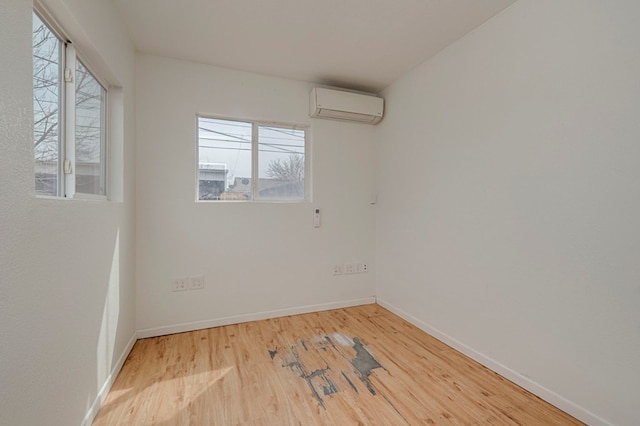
[345,106]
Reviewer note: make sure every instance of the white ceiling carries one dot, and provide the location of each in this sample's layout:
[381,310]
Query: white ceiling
[355,44]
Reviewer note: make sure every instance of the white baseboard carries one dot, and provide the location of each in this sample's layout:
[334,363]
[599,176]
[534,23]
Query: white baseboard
[551,397]
[237,319]
[106,387]
[198,325]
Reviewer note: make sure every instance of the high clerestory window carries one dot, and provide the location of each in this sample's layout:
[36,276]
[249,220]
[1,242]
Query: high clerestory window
[244,160]
[69,118]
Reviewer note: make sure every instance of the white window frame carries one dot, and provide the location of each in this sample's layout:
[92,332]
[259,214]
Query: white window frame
[256,124]
[67,117]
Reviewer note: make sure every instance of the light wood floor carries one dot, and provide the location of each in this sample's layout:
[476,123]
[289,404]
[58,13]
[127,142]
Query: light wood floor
[360,365]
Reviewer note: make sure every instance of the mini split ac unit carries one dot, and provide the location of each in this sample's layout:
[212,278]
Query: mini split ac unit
[345,106]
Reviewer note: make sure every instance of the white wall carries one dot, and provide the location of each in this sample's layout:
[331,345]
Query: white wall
[67,294]
[256,257]
[508,215]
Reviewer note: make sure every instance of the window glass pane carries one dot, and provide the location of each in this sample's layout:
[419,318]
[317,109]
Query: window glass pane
[224,157]
[47,50]
[280,163]
[90,133]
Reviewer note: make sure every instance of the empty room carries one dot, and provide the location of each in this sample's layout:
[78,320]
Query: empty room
[274,212]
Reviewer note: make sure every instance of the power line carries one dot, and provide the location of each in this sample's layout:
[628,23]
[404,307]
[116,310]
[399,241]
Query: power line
[249,149]
[249,125]
[224,134]
[275,129]
[245,141]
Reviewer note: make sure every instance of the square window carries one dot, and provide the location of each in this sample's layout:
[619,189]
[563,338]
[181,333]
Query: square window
[241,160]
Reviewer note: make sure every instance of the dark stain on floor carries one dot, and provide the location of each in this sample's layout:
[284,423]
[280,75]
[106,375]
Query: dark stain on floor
[323,381]
[316,377]
[364,362]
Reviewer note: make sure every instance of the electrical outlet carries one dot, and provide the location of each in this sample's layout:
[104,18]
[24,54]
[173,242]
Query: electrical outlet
[349,268]
[179,284]
[338,270]
[196,282]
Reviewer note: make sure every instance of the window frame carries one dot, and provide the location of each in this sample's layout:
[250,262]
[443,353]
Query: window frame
[255,125]
[68,57]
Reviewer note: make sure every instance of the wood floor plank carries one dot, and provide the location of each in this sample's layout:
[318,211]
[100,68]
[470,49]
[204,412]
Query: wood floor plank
[353,366]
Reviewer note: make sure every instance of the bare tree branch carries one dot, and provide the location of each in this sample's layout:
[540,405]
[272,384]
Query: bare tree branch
[290,169]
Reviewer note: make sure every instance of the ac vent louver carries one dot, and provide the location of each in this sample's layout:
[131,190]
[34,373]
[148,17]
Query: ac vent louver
[345,106]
